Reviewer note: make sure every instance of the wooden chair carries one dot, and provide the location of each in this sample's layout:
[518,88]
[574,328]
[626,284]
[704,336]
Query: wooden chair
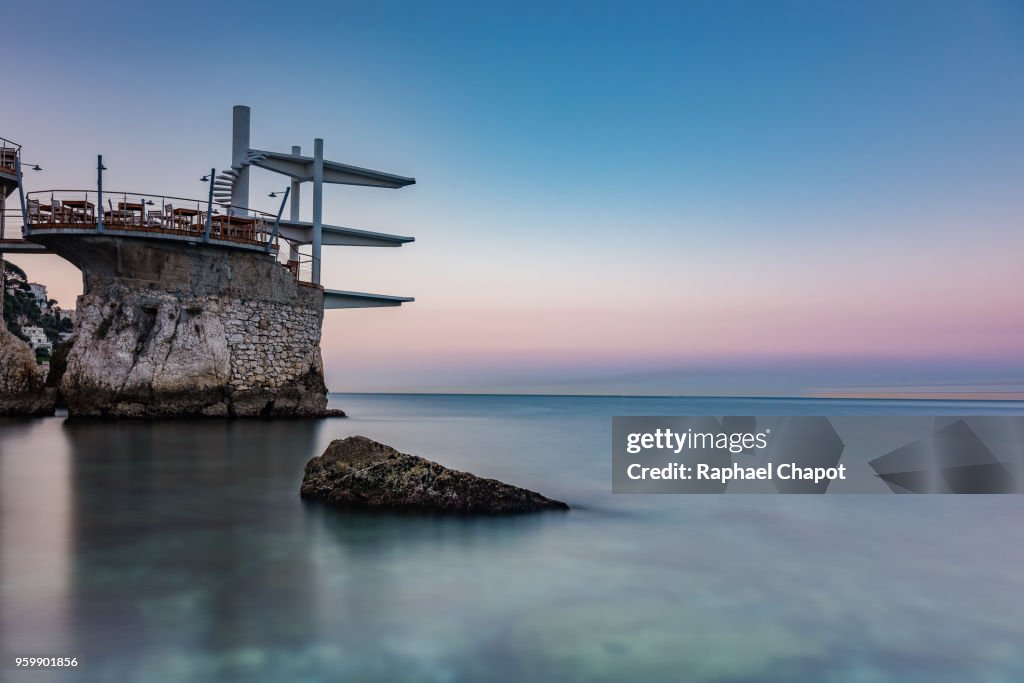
[35,212]
[58,213]
[155,218]
[110,216]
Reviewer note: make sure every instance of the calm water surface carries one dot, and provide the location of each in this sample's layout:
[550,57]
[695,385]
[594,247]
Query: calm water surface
[180,551]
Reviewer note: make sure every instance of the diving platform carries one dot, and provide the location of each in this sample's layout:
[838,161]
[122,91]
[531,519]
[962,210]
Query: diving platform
[301,232]
[336,298]
[230,189]
[303,169]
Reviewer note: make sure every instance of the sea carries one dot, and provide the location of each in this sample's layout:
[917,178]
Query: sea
[181,551]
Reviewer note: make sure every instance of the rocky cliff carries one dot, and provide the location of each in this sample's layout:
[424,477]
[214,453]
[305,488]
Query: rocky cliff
[166,330]
[22,390]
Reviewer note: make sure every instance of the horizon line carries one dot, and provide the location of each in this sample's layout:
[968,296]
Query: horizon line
[944,399]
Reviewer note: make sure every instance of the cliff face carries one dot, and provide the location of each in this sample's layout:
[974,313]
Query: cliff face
[22,390]
[166,331]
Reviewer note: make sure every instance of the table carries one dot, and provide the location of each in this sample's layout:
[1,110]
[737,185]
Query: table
[119,217]
[241,227]
[80,208]
[184,218]
[130,210]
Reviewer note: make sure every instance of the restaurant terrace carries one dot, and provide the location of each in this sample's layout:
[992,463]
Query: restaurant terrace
[222,220]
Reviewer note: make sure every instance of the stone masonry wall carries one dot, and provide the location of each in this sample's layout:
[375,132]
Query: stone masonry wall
[270,343]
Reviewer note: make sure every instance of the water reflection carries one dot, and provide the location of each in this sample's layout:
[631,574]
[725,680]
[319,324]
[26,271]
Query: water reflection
[35,538]
[180,529]
[181,551]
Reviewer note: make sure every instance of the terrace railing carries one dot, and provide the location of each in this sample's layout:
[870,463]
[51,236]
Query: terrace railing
[78,210]
[10,223]
[302,269]
[146,213]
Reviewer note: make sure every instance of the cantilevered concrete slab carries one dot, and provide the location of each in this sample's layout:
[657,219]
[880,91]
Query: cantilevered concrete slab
[335,235]
[301,168]
[22,247]
[335,298]
[8,182]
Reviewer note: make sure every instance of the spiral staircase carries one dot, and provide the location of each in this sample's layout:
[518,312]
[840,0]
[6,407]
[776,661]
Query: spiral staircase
[224,183]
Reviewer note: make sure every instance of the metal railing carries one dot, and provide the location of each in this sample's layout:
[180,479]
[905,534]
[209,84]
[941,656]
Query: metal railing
[148,213]
[301,269]
[9,152]
[10,223]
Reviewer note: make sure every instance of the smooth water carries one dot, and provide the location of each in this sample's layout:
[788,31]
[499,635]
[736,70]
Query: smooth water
[180,551]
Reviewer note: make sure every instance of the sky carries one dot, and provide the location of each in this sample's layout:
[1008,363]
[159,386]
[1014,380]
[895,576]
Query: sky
[750,198]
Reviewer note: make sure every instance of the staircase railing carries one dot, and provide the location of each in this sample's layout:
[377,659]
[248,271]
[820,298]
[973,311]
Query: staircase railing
[223,183]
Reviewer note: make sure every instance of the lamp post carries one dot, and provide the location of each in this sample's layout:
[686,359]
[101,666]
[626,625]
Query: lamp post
[209,206]
[277,221]
[99,192]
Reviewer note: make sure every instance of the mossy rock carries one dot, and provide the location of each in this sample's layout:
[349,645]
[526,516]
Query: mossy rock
[358,472]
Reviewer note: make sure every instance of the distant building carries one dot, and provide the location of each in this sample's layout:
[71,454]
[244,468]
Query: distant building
[66,315]
[37,339]
[39,291]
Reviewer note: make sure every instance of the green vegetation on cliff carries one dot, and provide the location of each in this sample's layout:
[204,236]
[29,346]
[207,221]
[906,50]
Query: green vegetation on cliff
[22,309]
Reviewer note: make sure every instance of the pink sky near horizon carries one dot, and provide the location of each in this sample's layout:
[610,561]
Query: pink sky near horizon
[488,320]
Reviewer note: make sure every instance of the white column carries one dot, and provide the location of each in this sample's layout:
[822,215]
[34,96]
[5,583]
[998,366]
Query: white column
[295,199]
[318,205]
[239,150]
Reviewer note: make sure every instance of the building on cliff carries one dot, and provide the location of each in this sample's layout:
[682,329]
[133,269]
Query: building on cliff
[41,295]
[197,306]
[38,340]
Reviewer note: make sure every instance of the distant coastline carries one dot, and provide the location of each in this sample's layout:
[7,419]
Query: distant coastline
[925,393]
[980,394]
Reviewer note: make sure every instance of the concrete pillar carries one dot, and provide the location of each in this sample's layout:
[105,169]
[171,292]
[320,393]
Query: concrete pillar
[318,205]
[296,200]
[239,150]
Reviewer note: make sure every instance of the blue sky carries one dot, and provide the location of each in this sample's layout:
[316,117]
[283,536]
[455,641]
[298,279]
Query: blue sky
[785,192]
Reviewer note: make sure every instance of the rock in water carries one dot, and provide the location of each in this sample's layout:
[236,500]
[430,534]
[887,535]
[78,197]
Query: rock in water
[359,472]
